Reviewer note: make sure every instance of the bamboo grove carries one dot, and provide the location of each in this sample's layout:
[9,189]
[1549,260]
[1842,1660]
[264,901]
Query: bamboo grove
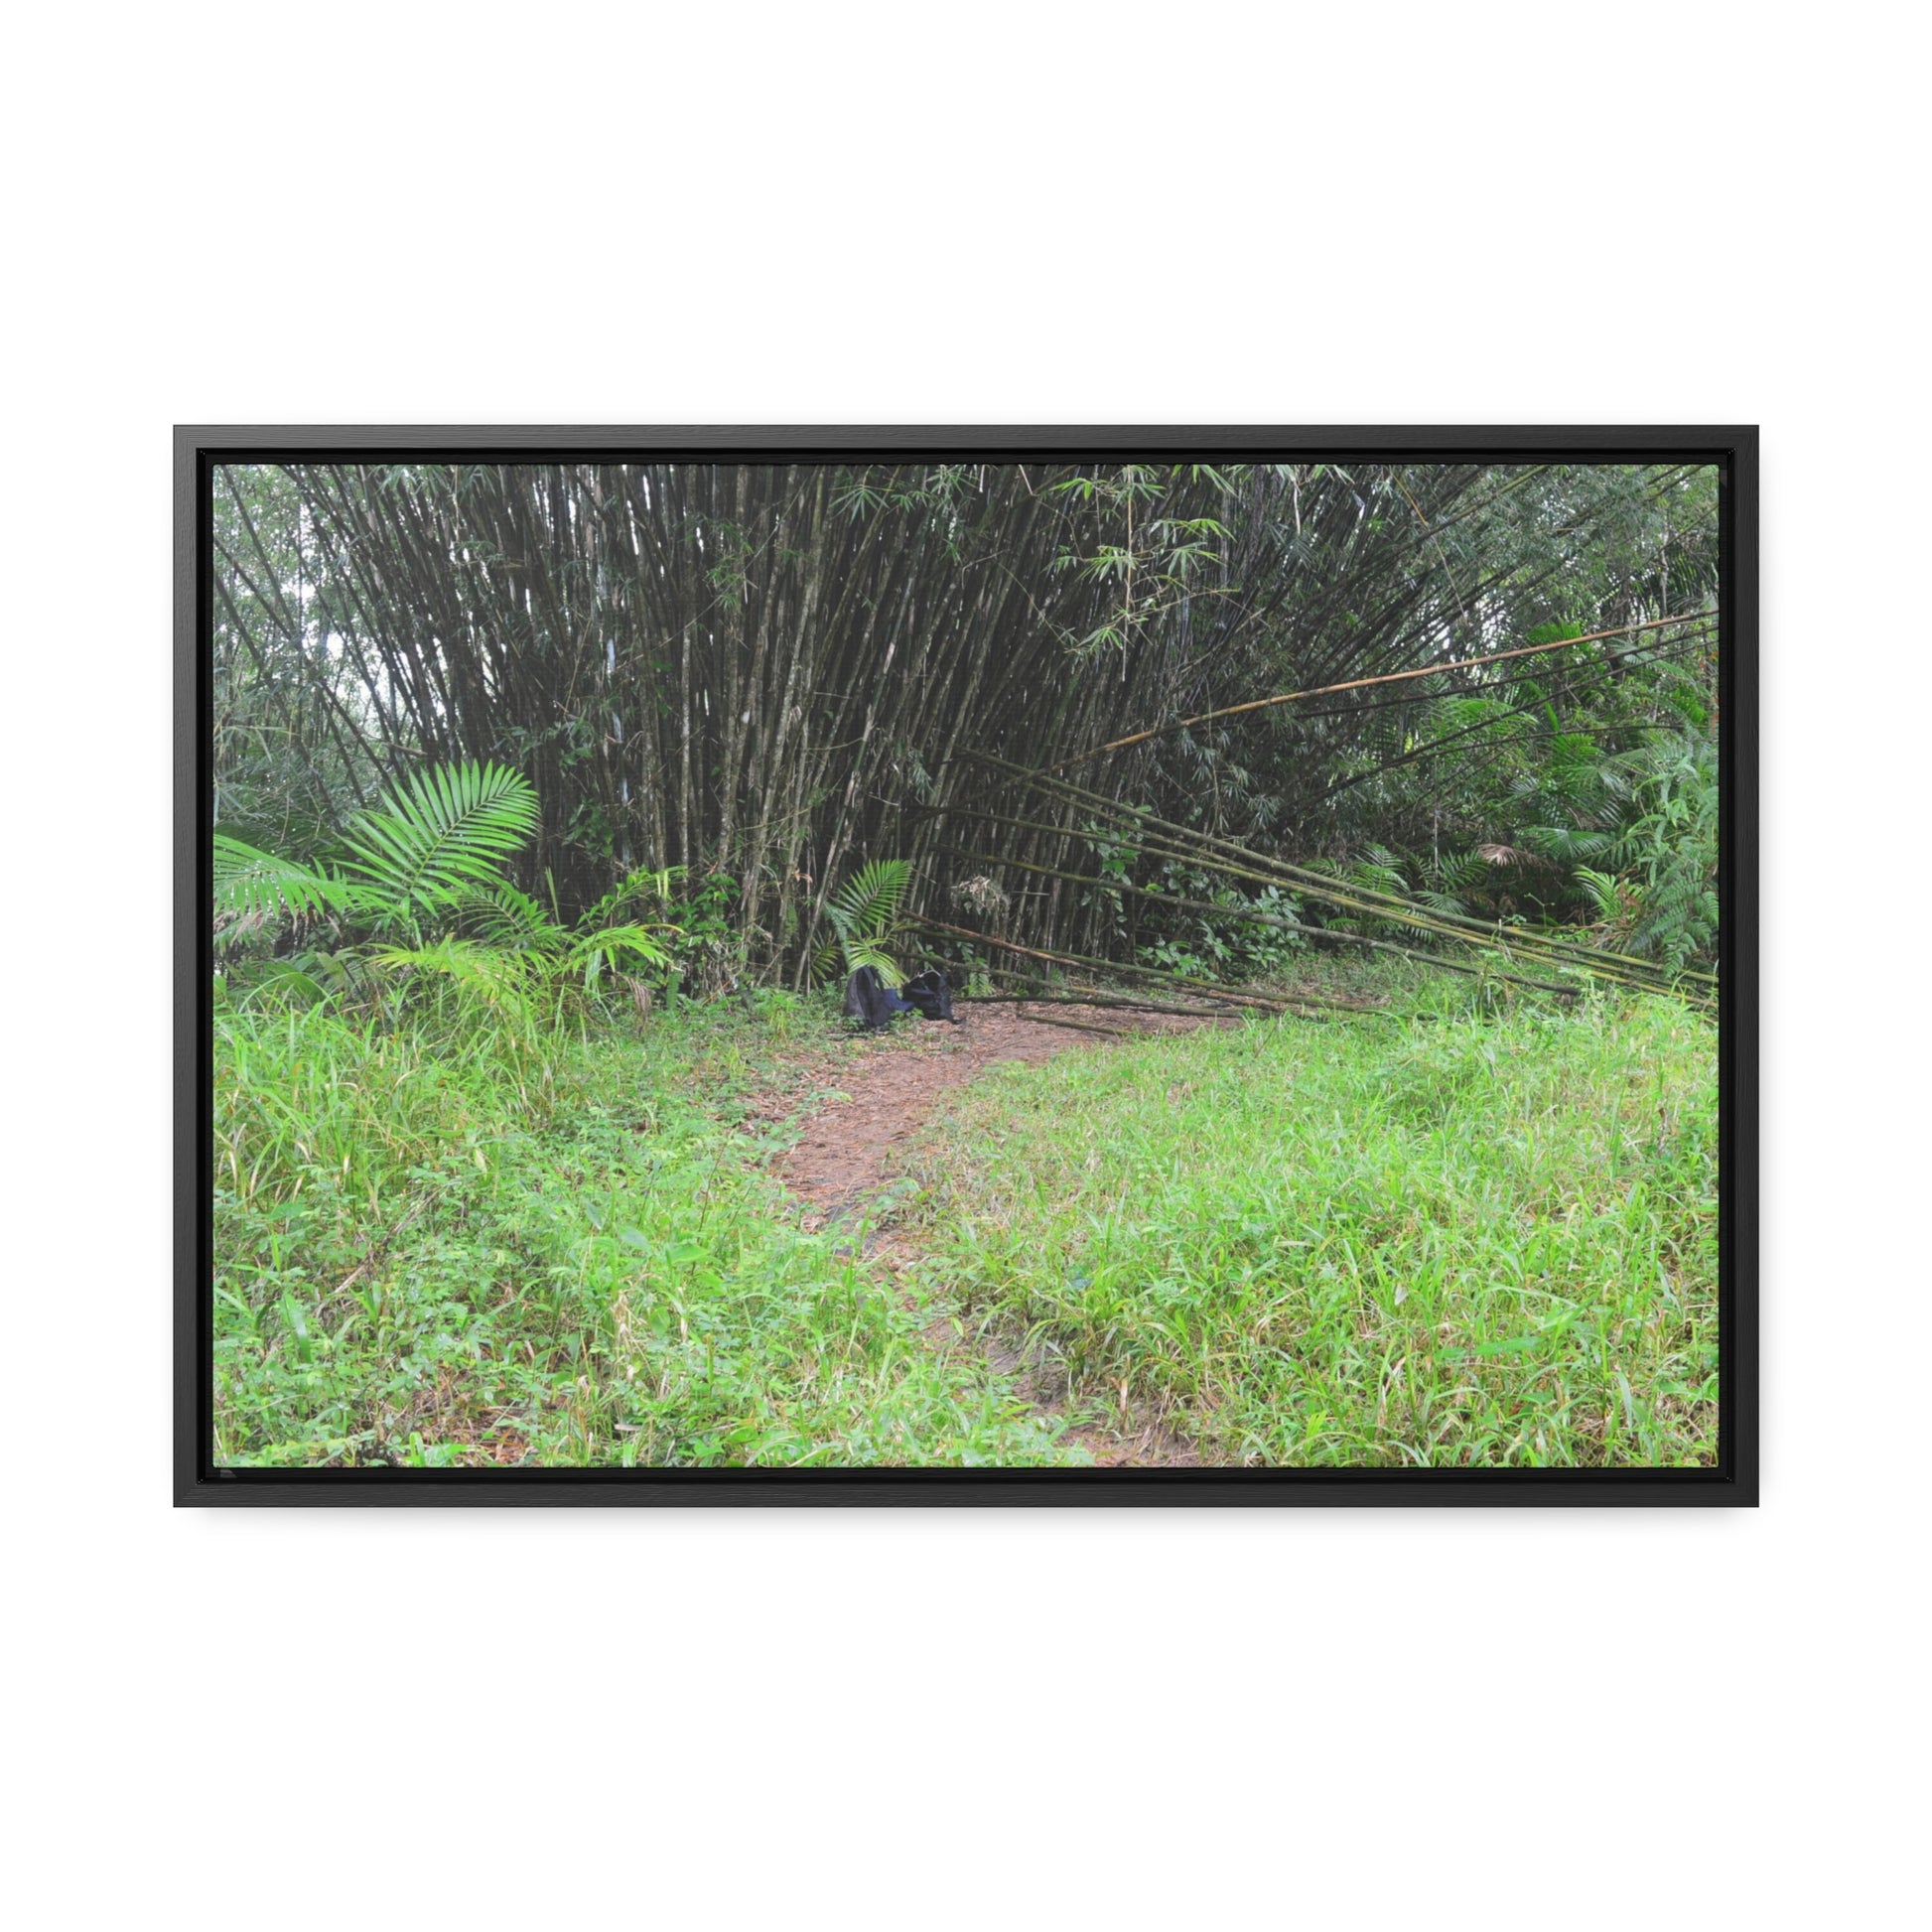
[1095,705]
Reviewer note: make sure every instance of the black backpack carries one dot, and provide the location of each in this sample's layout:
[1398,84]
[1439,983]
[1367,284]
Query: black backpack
[873,1004]
[929,992]
[869,1000]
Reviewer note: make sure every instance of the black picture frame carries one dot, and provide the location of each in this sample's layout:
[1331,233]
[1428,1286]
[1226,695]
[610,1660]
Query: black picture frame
[1733,1481]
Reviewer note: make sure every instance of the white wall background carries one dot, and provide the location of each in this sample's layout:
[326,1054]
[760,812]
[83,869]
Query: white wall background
[1045,213]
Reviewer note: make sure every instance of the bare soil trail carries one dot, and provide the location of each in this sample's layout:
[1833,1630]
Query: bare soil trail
[890,1083]
[848,1153]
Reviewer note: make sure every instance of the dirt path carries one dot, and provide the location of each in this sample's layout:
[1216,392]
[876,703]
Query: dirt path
[891,1083]
[845,1156]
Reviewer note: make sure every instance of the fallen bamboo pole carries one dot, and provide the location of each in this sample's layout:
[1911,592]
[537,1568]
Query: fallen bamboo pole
[1098,1000]
[1359,898]
[1075,993]
[1363,683]
[1078,1025]
[1265,1003]
[1369,905]
[1249,917]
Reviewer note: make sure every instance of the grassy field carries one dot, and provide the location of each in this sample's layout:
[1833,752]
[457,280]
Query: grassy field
[1447,1239]
[1450,1238]
[440,1249]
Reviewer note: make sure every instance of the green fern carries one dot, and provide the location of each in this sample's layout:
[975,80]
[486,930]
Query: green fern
[427,868]
[431,843]
[863,913]
[1603,889]
[254,892]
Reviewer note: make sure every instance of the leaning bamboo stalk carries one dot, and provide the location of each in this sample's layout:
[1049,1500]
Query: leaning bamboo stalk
[1483,940]
[1244,916]
[1327,893]
[1479,941]
[1198,844]
[1523,949]
[1315,886]
[1264,1002]
[1319,886]
[1362,683]
[1363,896]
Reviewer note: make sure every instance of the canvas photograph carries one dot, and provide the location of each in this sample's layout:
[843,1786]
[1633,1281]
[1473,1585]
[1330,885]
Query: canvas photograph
[1015,958]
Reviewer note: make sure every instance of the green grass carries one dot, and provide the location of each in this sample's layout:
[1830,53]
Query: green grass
[1452,1239]
[466,1243]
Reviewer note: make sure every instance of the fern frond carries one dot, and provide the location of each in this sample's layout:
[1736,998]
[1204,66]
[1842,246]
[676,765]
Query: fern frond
[1603,889]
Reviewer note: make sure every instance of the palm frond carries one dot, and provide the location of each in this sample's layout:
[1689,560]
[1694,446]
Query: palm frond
[285,978]
[500,977]
[863,912]
[449,829]
[256,890]
[867,952]
[643,887]
[616,946]
[503,917]
[865,905]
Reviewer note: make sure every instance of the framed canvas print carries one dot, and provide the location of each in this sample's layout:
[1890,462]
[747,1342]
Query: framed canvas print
[996,965]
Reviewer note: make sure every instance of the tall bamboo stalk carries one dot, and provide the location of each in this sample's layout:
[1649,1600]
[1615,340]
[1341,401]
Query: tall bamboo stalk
[778,670]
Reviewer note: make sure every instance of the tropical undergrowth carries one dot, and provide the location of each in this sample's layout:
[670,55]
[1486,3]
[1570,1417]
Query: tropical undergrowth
[474,1203]
[1459,1236]
[477,1202]
[1620,840]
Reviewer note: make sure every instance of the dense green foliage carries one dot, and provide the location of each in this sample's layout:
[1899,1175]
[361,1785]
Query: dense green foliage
[423,873]
[545,793]
[769,673]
